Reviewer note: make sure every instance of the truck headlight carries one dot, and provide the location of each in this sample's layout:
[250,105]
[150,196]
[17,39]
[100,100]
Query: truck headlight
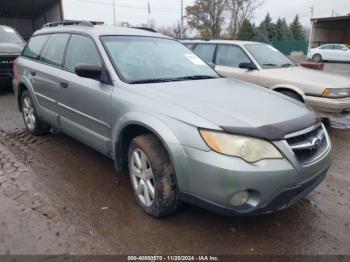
[336,93]
[248,148]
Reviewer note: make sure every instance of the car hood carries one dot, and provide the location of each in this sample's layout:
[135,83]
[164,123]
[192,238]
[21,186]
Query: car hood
[306,78]
[229,104]
[10,49]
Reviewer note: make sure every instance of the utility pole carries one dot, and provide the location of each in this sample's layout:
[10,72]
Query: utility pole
[149,15]
[114,14]
[312,11]
[311,39]
[182,19]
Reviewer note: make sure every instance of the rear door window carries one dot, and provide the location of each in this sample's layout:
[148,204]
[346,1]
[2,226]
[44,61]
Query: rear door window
[35,46]
[81,50]
[205,51]
[54,50]
[231,55]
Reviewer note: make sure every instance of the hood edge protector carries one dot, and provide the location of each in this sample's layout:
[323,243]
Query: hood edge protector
[276,131]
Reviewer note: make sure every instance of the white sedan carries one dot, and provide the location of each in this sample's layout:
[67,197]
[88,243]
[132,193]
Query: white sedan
[330,52]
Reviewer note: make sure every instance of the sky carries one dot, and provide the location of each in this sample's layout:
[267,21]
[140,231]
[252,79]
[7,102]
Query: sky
[168,12]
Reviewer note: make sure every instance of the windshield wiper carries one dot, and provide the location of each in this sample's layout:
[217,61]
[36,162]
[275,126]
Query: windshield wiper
[287,65]
[270,65]
[195,77]
[153,80]
[162,80]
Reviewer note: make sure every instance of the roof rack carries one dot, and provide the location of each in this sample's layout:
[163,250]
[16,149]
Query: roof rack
[73,22]
[144,28]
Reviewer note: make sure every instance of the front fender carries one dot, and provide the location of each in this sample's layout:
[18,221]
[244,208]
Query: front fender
[164,134]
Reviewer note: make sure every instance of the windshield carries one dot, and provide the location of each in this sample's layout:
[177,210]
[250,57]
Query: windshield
[8,35]
[269,57]
[149,59]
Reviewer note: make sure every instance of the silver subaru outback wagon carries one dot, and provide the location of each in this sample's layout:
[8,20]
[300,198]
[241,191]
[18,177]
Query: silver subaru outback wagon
[184,133]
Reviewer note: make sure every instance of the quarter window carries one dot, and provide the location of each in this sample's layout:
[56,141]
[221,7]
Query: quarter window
[34,46]
[230,55]
[205,51]
[81,50]
[54,49]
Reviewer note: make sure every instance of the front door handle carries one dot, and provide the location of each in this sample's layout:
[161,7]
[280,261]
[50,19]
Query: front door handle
[64,84]
[33,73]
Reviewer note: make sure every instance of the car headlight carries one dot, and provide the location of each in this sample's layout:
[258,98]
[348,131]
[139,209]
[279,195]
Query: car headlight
[248,148]
[336,93]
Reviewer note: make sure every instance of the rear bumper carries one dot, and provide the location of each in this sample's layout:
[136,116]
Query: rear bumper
[329,106]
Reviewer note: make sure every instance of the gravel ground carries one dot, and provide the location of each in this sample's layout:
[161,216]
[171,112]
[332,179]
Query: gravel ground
[60,197]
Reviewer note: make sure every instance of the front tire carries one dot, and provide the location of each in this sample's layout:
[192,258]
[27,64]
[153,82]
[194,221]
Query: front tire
[317,58]
[152,176]
[30,117]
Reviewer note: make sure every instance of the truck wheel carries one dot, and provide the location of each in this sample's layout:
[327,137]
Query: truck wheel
[152,176]
[30,117]
[317,58]
[292,95]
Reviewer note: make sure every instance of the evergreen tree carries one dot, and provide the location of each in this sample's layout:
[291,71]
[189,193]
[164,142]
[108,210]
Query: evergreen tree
[267,30]
[297,29]
[246,31]
[282,30]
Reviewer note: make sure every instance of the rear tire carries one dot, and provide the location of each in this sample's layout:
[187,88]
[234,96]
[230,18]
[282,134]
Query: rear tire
[317,58]
[31,120]
[152,173]
[292,94]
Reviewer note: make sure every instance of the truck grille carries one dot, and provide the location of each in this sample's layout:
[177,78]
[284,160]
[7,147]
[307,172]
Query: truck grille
[6,62]
[308,146]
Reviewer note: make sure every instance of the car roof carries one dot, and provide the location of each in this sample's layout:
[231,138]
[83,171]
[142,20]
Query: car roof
[99,30]
[236,42]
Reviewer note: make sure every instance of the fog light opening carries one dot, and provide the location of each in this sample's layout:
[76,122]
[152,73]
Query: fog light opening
[240,198]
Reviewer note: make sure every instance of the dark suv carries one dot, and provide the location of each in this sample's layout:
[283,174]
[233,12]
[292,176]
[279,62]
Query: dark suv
[11,45]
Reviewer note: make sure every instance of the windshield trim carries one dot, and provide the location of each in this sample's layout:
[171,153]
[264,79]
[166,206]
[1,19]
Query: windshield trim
[293,64]
[120,75]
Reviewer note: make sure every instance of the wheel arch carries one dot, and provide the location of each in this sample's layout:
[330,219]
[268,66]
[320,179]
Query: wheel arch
[291,88]
[135,124]
[24,85]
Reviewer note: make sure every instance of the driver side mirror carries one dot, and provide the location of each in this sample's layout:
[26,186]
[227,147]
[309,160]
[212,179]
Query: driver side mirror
[89,71]
[345,49]
[249,66]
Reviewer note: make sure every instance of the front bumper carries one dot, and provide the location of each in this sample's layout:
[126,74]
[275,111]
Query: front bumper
[274,184]
[6,75]
[329,106]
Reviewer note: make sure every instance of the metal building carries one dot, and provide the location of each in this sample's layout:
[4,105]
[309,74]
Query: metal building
[27,16]
[330,30]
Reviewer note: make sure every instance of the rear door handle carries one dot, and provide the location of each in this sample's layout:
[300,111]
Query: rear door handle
[33,73]
[64,84]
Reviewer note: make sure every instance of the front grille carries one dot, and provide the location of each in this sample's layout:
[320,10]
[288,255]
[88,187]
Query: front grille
[6,62]
[309,145]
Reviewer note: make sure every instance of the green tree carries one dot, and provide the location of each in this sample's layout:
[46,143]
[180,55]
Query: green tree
[207,16]
[247,31]
[266,32]
[282,30]
[297,29]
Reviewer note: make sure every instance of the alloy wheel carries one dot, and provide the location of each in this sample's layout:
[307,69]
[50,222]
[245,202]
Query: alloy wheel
[142,177]
[28,113]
